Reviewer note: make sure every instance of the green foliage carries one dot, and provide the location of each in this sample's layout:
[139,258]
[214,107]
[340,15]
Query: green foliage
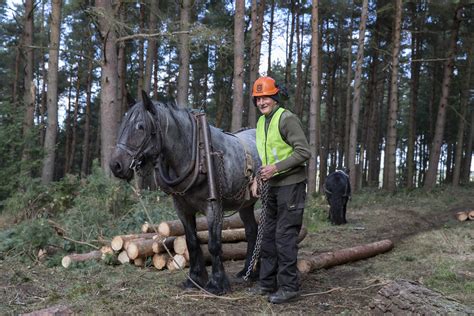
[316,214]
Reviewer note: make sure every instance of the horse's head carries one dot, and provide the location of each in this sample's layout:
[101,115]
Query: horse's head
[137,142]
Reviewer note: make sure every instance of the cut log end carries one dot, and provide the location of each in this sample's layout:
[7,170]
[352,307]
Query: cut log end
[117,243]
[462,216]
[471,215]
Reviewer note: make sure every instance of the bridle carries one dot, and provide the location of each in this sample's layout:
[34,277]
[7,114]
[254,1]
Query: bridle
[138,154]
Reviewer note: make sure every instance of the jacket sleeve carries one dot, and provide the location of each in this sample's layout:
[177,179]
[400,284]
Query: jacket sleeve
[292,132]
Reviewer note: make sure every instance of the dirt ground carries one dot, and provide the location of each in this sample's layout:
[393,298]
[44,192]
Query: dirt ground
[431,247]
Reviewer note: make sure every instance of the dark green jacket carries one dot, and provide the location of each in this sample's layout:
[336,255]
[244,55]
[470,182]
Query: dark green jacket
[292,133]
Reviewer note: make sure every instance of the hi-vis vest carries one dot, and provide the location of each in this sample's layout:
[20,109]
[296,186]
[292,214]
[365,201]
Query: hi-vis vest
[270,145]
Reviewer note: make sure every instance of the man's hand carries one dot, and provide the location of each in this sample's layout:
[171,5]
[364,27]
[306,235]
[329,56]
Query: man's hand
[267,172]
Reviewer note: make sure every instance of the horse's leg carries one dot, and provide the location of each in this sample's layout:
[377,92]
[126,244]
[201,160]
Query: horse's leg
[197,266]
[251,229]
[218,283]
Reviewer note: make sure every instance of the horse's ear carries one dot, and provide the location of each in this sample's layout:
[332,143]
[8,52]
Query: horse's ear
[130,100]
[147,103]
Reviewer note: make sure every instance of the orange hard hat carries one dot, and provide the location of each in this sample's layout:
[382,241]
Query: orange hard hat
[264,86]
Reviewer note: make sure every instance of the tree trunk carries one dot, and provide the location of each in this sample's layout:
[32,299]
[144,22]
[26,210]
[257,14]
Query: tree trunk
[402,297]
[183,76]
[270,38]
[255,45]
[152,44]
[299,65]
[463,117]
[239,44]
[118,242]
[347,123]
[357,92]
[390,183]
[467,160]
[109,82]
[70,259]
[430,179]
[334,258]
[314,107]
[141,51]
[52,95]
[29,97]
[289,56]
[87,123]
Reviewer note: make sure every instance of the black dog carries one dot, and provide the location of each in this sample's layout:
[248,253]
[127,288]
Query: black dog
[337,188]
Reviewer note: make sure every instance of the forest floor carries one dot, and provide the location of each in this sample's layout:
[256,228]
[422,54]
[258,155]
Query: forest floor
[431,248]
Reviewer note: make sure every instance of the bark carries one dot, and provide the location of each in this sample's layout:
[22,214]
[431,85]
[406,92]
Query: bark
[183,76]
[239,43]
[72,151]
[152,44]
[109,85]
[347,123]
[176,228]
[299,66]
[289,56]
[122,69]
[390,152]
[72,258]
[402,297]
[338,257]
[47,172]
[430,179]
[234,251]
[415,75]
[314,110]
[270,38]
[469,141]
[118,242]
[141,51]
[140,248]
[29,94]
[86,146]
[255,46]
[462,118]
[357,93]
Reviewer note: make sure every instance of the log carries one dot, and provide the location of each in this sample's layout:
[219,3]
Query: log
[333,258]
[56,310]
[158,244]
[233,251]
[177,262]
[228,236]
[79,257]
[123,257]
[471,215]
[118,242]
[462,216]
[140,248]
[160,260]
[176,228]
[139,262]
[403,297]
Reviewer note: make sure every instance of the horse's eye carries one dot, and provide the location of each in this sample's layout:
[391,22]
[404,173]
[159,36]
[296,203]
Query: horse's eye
[140,126]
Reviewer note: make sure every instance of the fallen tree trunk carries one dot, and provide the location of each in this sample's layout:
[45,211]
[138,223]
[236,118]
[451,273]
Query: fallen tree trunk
[176,228]
[228,236]
[123,257]
[118,242]
[402,297]
[79,257]
[333,258]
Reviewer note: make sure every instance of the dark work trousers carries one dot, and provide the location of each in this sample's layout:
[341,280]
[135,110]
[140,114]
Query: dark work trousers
[279,244]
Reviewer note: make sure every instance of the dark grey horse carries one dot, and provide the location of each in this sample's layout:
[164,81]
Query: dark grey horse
[337,188]
[167,137]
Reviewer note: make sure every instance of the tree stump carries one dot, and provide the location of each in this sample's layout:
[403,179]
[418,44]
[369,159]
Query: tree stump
[402,297]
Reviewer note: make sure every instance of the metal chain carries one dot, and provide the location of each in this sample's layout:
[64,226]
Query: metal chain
[264,188]
[241,192]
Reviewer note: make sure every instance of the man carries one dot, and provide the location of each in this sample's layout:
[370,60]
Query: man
[283,149]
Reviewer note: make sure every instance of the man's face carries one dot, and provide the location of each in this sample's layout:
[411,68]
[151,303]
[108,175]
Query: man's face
[265,105]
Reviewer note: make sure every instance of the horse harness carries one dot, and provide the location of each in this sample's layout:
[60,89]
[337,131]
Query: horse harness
[346,190]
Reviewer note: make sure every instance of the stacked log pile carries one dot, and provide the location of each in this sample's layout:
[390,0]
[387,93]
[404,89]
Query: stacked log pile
[465,215]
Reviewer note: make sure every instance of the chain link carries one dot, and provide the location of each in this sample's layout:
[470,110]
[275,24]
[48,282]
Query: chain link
[220,165]
[263,188]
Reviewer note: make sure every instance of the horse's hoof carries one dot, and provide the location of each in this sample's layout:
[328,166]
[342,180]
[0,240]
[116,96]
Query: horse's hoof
[217,290]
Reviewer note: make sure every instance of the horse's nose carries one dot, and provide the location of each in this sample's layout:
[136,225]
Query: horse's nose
[116,167]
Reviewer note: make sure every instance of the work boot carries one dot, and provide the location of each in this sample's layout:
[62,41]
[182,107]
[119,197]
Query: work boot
[283,296]
[261,290]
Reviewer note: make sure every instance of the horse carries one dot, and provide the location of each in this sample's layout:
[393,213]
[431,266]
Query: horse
[171,139]
[337,189]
